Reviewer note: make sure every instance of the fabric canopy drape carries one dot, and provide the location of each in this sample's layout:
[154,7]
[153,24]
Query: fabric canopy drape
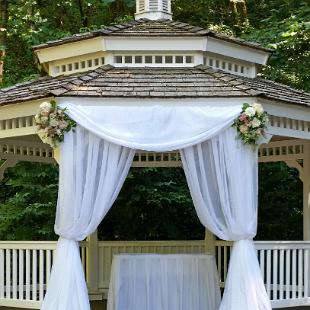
[160,127]
[222,177]
[92,172]
[221,173]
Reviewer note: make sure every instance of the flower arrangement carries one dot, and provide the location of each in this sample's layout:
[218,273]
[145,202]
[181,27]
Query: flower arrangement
[52,123]
[252,123]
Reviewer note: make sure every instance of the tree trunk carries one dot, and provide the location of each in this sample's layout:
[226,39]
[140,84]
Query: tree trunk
[3,32]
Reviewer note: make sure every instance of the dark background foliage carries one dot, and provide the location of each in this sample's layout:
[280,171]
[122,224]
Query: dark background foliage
[154,203]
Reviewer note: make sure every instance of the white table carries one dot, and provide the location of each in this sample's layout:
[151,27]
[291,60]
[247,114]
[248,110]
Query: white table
[164,282]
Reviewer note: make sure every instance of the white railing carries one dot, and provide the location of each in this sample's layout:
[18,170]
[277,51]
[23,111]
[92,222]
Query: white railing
[284,266]
[24,272]
[25,267]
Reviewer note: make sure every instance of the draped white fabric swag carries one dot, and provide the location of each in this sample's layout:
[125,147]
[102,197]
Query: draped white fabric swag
[221,173]
[222,176]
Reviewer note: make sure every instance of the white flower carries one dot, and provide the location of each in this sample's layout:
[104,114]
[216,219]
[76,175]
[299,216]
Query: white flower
[243,128]
[44,120]
[63,124]
[259,108]
[54,122]
[45,107]
[250,111]
[256,122]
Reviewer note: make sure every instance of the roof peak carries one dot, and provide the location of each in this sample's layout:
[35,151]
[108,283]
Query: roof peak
[145,27]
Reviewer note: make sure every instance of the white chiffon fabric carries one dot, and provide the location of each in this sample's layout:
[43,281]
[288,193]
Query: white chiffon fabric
[92,172]
[161,127]
[221,173]
[164,282]
[222,177]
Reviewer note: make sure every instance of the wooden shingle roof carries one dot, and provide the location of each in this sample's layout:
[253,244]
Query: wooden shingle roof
[111,82]
[151,28]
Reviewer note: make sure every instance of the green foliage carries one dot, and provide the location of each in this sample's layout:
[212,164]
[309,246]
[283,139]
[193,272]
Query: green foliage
[27,202]
[280,203]
[154,204]
[286,29]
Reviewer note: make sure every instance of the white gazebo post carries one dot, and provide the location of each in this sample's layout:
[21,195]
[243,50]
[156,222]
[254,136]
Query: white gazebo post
[209,242]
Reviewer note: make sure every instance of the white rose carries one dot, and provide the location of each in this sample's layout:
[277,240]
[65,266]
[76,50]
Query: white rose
[256,122]
[54,122]
[259,108]
[45,107]
[44,120]
[250,111]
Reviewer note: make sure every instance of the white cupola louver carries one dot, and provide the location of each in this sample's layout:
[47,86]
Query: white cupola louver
[153,9]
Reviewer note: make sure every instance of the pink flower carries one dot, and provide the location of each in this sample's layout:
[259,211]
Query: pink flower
[62,125]
[243,117]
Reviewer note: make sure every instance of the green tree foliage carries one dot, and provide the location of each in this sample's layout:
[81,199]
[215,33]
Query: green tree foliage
[154,204]
[27,202]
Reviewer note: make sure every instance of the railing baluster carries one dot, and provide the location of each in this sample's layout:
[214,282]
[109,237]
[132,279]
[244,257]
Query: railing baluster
[21,275]
[281,280]
[275,275]
[41,274]
[14,274]
[27,274]
[34,275]
[48,265]
[268,273]
[294,267]
[288,274]
[300,273]
[8,274]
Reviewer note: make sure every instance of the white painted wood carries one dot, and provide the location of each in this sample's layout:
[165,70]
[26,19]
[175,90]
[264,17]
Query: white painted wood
[8,274]
[288,274]
[14,274]
[294,273]
[28,288]
[41,275]
[281,275]
[21,274]
[300,274]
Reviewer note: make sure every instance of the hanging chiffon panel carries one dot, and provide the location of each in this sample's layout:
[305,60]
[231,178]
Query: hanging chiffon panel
[221,173]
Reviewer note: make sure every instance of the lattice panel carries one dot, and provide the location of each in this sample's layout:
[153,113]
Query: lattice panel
[271,152]
[228,66]
[26,151]
[150,159]
[282,150]
[19,122]
[289,123]
[154,60]
[78,66]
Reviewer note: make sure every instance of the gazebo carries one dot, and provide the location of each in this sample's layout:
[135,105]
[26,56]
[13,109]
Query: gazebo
[148,63]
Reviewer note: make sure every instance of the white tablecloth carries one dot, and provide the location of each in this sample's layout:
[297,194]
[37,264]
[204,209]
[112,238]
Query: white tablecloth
[164,282]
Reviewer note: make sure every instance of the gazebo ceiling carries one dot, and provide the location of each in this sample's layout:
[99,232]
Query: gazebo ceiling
[151,28]
[108,81]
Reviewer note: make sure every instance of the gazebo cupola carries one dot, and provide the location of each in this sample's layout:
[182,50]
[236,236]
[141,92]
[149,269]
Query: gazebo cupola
[153,9]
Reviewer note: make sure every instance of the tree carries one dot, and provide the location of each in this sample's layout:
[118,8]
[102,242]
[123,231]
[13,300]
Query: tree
[3,31]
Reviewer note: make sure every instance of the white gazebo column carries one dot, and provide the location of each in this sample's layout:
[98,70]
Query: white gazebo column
[306,191]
